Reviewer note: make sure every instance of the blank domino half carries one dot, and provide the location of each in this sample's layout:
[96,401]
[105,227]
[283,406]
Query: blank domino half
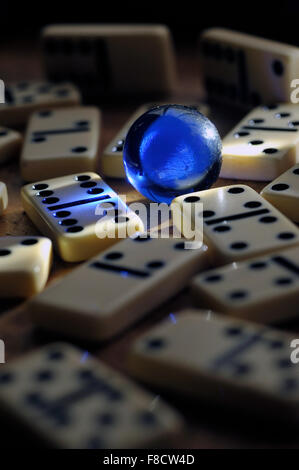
[10,143]
[71,401]
[112,158]
[23,98]
[25,263]
[111,58]
[59,142]
[80,213]
[3,197]
[263,145]
[283,193]
[111,292]
[264,289]
[247,70]
[237,222]
[221,360]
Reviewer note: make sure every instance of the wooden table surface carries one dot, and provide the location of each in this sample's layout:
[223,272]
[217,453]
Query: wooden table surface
[207,426]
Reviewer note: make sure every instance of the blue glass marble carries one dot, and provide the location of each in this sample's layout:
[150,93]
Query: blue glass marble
[172,150]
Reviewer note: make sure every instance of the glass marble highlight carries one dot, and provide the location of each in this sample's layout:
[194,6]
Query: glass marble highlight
[172,150]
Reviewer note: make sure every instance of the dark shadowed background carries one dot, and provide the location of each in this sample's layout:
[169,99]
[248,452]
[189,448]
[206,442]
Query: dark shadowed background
[276,20]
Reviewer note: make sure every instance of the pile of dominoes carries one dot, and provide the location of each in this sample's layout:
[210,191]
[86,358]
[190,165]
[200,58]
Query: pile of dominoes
[243,279]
